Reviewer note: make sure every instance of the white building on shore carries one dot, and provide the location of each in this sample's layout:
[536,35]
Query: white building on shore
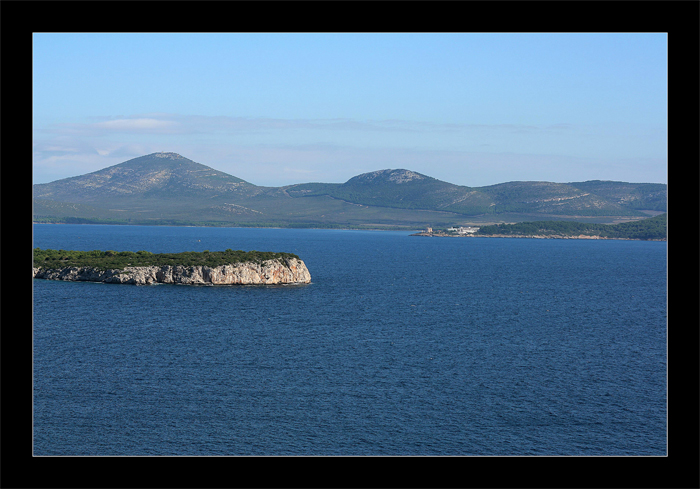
[463,230]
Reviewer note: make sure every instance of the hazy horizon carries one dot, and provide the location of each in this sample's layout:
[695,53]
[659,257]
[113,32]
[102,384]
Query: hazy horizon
[297,183]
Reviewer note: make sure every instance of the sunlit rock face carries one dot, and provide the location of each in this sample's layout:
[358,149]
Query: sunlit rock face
[269,272]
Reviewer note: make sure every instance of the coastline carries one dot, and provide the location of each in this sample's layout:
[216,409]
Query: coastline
[330,228]
[269,272]
[529,236]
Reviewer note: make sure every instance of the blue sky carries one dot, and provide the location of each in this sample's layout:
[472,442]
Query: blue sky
[279,109]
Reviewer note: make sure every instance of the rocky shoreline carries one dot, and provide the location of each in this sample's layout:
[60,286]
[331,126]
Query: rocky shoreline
[269,272]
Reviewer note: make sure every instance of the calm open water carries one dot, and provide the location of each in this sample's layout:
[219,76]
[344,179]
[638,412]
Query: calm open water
[400,346]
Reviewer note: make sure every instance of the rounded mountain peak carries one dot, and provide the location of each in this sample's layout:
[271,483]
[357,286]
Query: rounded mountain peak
[392,176]
[171,156]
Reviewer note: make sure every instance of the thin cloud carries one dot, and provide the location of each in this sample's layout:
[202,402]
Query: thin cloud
[117,126]
[160,123]
[137,125]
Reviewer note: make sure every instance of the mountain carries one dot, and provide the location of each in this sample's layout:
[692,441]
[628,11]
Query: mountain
[411,190]
[401,189]
[648,196]
[160,175]
[169,188]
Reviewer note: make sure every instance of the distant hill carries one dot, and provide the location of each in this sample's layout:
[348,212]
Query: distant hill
[411,190]
[158,175]
[403,189]
[646,196]
[167,188]
[556,199]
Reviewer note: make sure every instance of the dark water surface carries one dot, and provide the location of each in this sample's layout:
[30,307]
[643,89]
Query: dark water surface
[400,346]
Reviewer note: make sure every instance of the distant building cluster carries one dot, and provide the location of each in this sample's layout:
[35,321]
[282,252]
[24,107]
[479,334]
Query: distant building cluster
[463,230]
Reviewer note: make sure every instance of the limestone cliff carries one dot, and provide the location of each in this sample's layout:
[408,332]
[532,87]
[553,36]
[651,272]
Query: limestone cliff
[277,271]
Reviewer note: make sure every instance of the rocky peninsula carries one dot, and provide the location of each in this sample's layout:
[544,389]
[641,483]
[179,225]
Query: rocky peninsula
[242,269]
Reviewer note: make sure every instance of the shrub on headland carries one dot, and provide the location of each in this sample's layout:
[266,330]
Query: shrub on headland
[55,259]
[651,228]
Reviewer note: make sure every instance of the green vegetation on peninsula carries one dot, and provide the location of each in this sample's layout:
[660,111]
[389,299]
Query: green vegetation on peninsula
[104,260]
[646,229]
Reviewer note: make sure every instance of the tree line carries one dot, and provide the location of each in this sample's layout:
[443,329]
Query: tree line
[651,228]
[109,259]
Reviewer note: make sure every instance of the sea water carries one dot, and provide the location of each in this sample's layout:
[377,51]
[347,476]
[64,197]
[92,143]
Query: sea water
[400,345]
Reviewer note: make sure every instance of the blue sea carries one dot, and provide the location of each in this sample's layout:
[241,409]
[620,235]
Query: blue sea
[401,345]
